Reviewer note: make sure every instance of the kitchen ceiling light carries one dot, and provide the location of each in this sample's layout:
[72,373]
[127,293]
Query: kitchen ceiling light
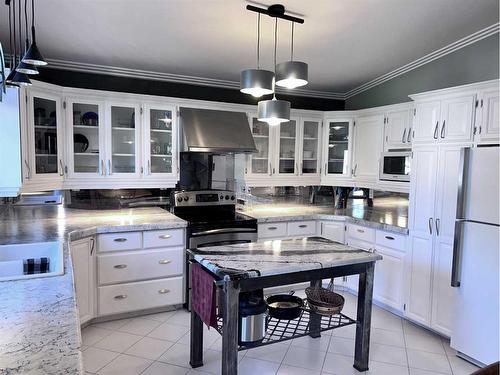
[33,56]
[16,78]
[257,82]
[274,111]
[23,67]
[291,74]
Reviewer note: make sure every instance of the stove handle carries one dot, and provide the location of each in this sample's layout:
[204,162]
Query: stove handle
[224,230]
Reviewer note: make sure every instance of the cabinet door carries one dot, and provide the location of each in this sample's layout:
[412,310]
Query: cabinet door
[427,122]
[489,127]
[457,119]
[160,135]
[397,129]
[83,259]
[310,147]
[338,145]
[388,283]
[260,162]
[367,147]
[287,156]
[45,136]
[85,138]
[123,140]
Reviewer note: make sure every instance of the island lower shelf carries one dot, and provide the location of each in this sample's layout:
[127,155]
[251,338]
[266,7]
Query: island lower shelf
[283,330]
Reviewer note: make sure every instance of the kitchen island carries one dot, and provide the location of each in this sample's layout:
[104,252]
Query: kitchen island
[253,266]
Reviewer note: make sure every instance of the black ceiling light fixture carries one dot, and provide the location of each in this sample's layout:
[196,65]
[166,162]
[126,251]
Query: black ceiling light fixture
[23,67]
[33,56]
[15,78]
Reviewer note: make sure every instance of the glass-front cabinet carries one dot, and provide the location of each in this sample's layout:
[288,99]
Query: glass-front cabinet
[338,147]
[287,158]
[85,138]
[124,131]
[260,162]
[160,134]
[44,156]
[310,146]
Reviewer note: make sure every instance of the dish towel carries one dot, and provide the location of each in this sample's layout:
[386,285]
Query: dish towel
[203,295]
[39,265]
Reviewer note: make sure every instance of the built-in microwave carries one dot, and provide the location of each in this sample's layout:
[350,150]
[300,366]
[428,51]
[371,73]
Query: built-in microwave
[395,166]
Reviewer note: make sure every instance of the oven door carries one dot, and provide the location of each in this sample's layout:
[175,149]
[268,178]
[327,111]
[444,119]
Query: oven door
[216,237]
[395,166]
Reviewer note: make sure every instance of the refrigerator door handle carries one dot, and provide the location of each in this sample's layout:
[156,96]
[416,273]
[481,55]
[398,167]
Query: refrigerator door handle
[430,226]
[456,265]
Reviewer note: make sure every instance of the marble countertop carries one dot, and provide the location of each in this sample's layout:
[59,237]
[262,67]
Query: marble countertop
[386,214]
[38,317]
[278,257]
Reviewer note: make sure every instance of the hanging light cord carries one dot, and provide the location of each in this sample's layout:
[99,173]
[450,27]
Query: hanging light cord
[10,38]
[26,23]
[291,52]
[20,32]
[258,41]
[14,33]
[275,44]
[32,13]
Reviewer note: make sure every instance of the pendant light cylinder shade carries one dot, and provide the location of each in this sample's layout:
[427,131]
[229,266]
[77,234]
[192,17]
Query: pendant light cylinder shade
[33,56]
[22,67]
[19,79]
[291,74]
[273,111]
[256,82]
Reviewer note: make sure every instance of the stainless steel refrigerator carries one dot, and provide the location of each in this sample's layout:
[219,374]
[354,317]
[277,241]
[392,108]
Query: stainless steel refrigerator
[475,271]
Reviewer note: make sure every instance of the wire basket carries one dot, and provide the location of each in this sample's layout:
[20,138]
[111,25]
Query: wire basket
[324,301]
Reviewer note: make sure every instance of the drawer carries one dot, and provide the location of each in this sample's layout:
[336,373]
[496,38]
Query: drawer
[114,299]
[302,228]
[359,244]
[391,240]
[361,233]
[140,265]
[163,238]
[333,230]
[119,241]
[270,230]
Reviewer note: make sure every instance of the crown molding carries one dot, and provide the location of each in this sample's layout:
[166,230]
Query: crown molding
[450,48]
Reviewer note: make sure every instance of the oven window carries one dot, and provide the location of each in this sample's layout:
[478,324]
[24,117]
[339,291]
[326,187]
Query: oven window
[397,165]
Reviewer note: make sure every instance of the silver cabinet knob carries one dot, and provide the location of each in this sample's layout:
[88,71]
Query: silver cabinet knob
[121,296]
[120,266]
[272,228]
[303,226]
[164,261]
[121,239]
[163,291]
[164,236]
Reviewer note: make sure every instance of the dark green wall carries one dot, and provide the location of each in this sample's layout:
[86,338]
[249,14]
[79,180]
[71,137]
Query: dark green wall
[474,63]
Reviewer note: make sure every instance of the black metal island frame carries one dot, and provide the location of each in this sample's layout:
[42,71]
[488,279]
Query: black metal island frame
[254,266]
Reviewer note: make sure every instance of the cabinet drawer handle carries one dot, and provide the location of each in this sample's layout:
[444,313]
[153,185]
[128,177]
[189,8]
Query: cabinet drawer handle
[360,230]
[164,291]
[121,239]
[403,139]
[164,261]
[435,136]
[120,266]
[303,226]
[272,228]
[164,236]
[121,296]
[389,237]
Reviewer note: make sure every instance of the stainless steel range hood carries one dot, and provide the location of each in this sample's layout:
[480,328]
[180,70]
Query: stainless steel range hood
[223,132]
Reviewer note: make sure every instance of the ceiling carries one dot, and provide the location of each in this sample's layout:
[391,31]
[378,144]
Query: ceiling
[345,42]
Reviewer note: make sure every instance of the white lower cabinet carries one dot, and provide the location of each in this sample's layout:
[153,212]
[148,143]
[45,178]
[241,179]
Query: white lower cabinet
[333,230]
[83,260]
[387,286]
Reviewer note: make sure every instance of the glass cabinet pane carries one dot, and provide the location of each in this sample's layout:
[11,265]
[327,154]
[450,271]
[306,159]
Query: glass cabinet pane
[338,144]
[123,135]
[45,127]
[288,135]
[160,128]
[310,147]
[85,138]
[260,160]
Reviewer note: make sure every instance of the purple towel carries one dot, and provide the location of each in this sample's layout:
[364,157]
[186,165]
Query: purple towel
[203,295]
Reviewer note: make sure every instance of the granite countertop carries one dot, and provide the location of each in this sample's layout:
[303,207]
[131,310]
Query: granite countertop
[278,257]
[390,214]
[38,317]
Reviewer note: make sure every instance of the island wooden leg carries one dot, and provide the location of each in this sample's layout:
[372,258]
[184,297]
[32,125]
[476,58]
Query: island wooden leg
[230,330]
[365,294]
[196,345]
[315,319]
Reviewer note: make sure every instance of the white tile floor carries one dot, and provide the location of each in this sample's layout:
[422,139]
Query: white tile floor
[159,344]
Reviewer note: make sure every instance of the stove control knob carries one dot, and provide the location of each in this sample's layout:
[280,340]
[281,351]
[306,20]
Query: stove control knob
[227,197]
[179,199]
[186,199]
[232,197]
[221,197]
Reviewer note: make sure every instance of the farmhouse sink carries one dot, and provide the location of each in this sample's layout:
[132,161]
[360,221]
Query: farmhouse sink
[12,256]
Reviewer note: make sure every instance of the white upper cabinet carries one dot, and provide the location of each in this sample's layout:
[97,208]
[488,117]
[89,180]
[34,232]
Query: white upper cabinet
[287,156]
[397,129]
[160,145]
[368,145]
[487,129]
[259,163]
[337,148]
[444,120]
[310,146]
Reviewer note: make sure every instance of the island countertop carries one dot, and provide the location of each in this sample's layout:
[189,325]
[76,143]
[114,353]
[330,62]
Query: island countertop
[38,317]
[278,257]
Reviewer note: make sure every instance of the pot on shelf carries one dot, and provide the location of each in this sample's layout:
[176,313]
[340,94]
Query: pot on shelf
[252,325]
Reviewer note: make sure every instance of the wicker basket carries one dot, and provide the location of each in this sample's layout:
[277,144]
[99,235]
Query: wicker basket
[324,301]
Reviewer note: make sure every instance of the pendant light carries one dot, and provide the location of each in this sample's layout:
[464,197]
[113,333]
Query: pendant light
[33,56]
[16,78]
[23,67]
[291,74]
[12,72]
[257,82]
[274,111]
